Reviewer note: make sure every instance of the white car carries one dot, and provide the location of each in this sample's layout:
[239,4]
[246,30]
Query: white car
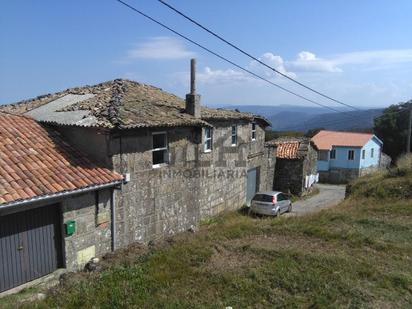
[271,203]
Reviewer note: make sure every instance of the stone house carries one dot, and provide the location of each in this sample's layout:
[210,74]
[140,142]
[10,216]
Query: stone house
[296,160]
[344,156]
[55,204]
[181,162]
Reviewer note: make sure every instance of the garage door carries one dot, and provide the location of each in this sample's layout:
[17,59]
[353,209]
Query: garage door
[28,245]
[252,184]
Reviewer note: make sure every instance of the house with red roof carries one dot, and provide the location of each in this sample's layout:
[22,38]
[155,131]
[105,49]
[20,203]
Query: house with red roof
[295,169]
[56,206]
[343,156]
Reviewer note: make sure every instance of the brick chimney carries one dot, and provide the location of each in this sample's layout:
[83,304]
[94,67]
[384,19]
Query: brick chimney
[193,99]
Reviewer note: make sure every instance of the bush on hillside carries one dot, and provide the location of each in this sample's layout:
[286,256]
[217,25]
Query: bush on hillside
[394,183]
[404,164]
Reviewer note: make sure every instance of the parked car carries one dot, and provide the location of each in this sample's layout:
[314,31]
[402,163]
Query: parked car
[272,203]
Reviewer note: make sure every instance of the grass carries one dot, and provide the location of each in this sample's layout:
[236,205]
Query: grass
[357,255]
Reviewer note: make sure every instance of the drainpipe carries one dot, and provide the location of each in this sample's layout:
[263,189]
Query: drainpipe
[113,219]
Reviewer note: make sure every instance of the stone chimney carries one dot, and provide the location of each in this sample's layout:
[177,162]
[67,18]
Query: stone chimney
[193,99]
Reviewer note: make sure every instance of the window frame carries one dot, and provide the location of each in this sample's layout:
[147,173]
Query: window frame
[233,135]
[166,149]
[363,154]
[334,154]
[323,155]
[206,139]
[253,131]
[353,155]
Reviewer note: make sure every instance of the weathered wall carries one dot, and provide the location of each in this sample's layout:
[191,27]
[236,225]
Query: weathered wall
[159,202]
[338,175]
[92,142]
[290,174]
[91,212]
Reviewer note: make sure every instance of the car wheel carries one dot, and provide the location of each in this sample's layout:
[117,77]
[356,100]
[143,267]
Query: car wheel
[278,213]
[290,207]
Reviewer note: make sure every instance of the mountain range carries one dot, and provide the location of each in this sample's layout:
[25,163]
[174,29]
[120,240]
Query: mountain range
[302,118]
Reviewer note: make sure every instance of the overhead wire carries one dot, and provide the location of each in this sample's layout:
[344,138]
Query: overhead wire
[253,57]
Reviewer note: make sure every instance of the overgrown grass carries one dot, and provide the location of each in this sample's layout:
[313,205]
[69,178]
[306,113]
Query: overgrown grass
[358,254]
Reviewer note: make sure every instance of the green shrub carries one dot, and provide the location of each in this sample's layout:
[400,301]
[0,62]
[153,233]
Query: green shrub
[404,164]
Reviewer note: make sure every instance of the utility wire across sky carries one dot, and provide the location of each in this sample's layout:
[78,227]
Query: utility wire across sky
[224,58]
[350,117]
[253,57]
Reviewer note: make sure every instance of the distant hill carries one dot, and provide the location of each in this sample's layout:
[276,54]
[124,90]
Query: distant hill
[302,118]
[340,121]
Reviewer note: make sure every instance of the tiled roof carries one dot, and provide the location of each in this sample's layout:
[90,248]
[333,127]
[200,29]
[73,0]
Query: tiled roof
[35,162]
[119,103]
[324,140]
[290,147]
[287,150]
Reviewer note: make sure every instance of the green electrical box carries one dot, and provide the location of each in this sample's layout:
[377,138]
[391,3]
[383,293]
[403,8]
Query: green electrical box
[70,227]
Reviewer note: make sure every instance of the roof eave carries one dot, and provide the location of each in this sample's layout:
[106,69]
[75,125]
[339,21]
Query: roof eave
[58,195]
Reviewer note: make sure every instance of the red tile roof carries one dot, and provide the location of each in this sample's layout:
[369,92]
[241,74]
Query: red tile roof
[287,149]
[36,161]
[324,140]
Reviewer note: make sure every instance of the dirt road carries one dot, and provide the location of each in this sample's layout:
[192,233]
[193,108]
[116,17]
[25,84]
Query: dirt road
[329,195]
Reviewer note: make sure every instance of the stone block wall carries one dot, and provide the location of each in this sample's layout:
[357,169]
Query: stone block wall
[159,202]
[289,176]
[92,238]
[339,175]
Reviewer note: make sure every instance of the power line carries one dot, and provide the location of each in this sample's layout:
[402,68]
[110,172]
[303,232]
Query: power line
[224,58]
[253,57]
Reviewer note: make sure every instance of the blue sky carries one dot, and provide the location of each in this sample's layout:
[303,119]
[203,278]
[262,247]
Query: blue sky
[359,52]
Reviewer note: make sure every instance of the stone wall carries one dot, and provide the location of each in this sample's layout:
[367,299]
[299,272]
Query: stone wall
[159,202]
[92,238]
[339,175]
[290,174]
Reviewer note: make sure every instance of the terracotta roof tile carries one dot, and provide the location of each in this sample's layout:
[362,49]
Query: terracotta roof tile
[291,147]
[35,161]
[324,140]
[287,149]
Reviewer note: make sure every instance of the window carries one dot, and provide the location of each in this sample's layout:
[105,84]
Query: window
[333,154]
[208,139]
[351,155]
[159,151]
[253,131]
[323,155]
[372,151]
[363,154]
[263,198]
[234,135]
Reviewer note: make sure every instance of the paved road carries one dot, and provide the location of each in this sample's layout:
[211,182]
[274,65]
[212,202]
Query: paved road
[329,195]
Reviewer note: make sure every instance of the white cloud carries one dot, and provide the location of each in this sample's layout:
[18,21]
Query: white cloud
[272,60]
[372,59]
[389,56]
[309,62]
[210,76]
[160,48]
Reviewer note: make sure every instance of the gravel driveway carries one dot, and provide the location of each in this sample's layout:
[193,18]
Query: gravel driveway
[329,195]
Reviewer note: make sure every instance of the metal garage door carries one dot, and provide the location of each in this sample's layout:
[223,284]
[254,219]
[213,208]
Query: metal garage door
[252,184]
[29,245]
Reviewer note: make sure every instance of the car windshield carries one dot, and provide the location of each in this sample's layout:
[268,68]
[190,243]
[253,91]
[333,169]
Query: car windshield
[262,198]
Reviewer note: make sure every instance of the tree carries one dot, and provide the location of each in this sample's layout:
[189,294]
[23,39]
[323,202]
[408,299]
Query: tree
[392,128]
